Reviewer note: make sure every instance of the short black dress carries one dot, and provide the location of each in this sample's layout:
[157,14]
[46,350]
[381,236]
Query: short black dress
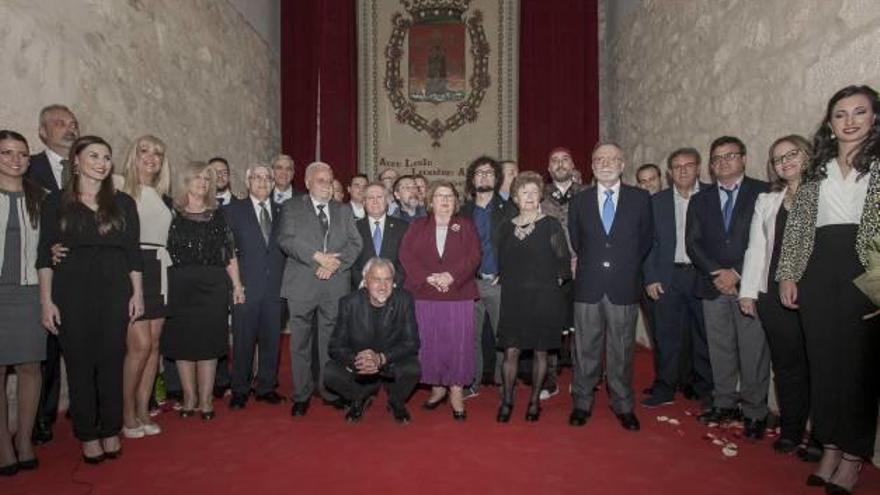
[197,326]
[533,260]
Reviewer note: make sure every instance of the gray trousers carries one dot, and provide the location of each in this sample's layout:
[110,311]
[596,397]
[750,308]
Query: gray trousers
[489,303]
[612,328]
[301,334]
[738,352]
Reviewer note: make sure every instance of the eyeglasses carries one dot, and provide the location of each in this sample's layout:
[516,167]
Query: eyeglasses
[786,157]
[484,173]
[607,161]
[683,166]
[262,178]
[727,157]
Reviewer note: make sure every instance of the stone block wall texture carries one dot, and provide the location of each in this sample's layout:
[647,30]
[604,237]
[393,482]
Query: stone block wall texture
[682,72]
[192,72]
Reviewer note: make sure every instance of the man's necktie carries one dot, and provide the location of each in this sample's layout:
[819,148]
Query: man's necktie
[727,211]
[608,211]
[265,221]
[377,237]
[322,217]
[65,172]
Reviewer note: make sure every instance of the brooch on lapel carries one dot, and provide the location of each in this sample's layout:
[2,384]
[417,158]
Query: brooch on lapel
[455,227]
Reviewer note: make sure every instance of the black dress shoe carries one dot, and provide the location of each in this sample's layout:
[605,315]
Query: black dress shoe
[533,412]
[29,465]
[785,446]
[579,417]
[9,470]
[355,411]
[401,415]
[459,415]
[430,406]
[629,421]
[299,408]
[270,398]
[238,401]
[94,460]
[42,433]
[504,412]
[719,415]
[338,403]
[753,429]
[689,392]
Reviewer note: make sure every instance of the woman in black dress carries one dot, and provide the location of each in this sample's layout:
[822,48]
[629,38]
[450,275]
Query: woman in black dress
[22,337]
[90,296]
[203,255]
[534,261]
[834,221]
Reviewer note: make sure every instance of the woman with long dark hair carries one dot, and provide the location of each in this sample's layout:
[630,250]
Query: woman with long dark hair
[92,294]
[22,338]
[836,216]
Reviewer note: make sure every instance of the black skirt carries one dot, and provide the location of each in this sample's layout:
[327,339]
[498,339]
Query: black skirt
[197,327]
[154,301]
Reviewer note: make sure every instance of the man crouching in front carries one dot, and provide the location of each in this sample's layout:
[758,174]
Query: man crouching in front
[375,342]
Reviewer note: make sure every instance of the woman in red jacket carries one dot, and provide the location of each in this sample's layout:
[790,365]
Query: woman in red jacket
[440,254]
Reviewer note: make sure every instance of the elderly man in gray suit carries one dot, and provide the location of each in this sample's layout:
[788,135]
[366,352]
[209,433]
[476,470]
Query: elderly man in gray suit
[321,242]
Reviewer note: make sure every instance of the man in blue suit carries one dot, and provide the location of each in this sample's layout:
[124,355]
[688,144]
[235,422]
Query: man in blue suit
[611,229]
[670,281]
[718,222]
[254,222]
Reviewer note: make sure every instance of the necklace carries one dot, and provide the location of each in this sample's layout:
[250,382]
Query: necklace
[524,227]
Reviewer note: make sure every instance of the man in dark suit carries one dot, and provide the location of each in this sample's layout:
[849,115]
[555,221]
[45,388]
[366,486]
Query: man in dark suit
[380,233]
[321,242]
[50,169]
[375,342]
[406,194]
[356,188]
[670,281]
[611,228]
[284,170]
[224,180]
[718,222]
[254,222]
[488,210]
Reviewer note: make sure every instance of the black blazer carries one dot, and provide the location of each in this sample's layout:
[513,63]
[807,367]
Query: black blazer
[610,264]
[502,211]
[661,259]
[397,337]
[261,266]
[391,237]
[708,245]
[40,171]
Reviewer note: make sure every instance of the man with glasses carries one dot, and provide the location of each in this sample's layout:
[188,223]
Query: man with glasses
[611,230]
[681,354]
[254,222]
[221,170]
[489,211]
[406,194]
[648,178]
[717,235]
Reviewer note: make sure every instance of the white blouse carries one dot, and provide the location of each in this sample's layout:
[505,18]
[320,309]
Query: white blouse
[841,200]
[442,230]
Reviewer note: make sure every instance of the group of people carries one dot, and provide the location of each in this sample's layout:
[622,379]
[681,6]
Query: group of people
[395,286]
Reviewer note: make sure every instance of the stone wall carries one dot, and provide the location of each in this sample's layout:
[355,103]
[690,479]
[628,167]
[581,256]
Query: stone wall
[682,72]
[192,72]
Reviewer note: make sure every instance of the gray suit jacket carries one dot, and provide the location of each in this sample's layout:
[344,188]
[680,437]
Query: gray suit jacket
[300,237]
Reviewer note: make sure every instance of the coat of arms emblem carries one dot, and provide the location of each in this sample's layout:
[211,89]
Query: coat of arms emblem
[434,41]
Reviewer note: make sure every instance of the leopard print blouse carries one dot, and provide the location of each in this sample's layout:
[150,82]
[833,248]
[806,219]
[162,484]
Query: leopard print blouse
[800,229]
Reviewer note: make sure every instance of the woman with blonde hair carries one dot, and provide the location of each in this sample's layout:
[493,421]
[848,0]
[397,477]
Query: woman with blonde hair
[202,251]
[147,176]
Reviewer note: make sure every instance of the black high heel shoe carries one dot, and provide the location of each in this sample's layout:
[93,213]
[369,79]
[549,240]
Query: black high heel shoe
[185,413]
[9,470]
[459,415]
[94,460]
[504,412]
[29,465]
[207,415]
[430,406]
[533,412]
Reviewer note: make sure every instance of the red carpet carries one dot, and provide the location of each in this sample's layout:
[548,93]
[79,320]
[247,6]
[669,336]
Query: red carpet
[263,450]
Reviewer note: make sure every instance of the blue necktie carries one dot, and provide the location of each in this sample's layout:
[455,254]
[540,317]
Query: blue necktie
[608,211]
[377,238]
[727,211]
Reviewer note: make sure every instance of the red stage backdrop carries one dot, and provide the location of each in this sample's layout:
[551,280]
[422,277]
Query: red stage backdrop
[558,82]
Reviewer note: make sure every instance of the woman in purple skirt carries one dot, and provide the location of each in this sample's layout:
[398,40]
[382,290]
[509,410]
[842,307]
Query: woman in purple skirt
[440,254]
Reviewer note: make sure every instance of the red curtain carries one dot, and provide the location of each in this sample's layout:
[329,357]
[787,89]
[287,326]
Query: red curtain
[319,57]
[558,81]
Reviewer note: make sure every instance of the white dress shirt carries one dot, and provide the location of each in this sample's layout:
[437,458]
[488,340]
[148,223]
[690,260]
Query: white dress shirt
[614,197]
[681,210]
[315,204]
[841,200]
[224,198]
[762,237]
[358,210]
[55,162]
[381,225]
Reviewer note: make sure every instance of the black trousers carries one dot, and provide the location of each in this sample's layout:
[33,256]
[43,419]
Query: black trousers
[255,322]
[788,356]
[679,328]
[842,348]
[399,383]
[50,390]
